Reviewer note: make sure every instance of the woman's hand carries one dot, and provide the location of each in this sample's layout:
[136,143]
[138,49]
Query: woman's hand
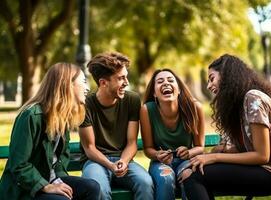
[165,157]
[59,188]
[201,160]
[183,152]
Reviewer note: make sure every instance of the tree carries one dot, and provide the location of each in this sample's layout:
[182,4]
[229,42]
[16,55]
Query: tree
[151,31]
[31,27]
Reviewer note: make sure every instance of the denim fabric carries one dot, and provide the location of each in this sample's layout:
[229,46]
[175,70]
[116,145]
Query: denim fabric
[165,178]
[137,179]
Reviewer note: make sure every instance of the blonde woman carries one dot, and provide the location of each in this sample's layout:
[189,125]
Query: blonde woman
[39,151]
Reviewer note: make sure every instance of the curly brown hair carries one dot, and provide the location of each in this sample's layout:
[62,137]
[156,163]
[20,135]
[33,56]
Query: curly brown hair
[236,79]
[187,105]
[106,64]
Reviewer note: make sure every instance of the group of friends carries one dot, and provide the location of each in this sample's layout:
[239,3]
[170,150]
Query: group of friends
[172,128]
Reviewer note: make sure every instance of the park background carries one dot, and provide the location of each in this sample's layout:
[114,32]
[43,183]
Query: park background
[183,35]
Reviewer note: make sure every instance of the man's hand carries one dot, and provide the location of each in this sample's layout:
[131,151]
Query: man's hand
[121,168]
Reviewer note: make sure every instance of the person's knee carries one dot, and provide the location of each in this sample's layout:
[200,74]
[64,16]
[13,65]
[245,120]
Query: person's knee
[94,186]
[147,181]
[144,184]
[186,173]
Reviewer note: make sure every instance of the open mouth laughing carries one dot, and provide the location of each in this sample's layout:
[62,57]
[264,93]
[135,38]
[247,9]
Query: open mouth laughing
[167,90]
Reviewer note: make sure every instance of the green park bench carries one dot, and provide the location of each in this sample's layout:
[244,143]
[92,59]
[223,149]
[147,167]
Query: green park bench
[117,193]
[75,164]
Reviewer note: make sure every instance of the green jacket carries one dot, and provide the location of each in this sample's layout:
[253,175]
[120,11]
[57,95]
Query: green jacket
[30,157]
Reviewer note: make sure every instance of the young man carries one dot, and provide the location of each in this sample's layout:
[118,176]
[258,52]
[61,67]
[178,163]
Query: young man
[109,132]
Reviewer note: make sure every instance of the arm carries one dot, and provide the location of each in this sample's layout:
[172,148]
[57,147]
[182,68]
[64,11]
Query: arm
[129,151]
[260,156]
[261,144]
[87,139]
[25,174]
[131,147]
[198,139]
[146,134]
[64,158]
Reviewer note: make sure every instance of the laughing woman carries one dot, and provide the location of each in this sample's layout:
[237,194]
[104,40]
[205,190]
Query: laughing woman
[242,112]
[39,146]
[172,128]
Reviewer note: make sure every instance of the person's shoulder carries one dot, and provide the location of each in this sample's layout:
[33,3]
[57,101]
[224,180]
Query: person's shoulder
[150,104]
[90,97]
[257,94]
[131,95]
[30,111]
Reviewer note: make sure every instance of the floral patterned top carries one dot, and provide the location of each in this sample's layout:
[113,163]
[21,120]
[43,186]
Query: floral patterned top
[257,109]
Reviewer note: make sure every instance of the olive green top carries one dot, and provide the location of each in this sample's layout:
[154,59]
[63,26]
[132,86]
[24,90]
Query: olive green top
[164,137]
[31,157]
[110,124]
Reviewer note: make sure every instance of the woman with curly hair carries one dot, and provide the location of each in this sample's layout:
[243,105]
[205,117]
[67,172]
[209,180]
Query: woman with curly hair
[172,128]
[242,113]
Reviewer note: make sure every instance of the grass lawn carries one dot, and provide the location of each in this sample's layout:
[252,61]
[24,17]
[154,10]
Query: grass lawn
[6,123]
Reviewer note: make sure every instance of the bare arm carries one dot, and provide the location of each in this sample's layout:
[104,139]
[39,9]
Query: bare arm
[261,154]
[131,148]
[88,142]
[129,151]
[261,144]
[146,134]
[199,139]
[149,150]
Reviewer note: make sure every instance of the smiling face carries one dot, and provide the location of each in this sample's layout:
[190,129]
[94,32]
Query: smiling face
[166,87]
[213,81]
[117,83]
[80,88]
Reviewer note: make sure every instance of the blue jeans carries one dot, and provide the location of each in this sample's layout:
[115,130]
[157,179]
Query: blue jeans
[165,177]
[137,179]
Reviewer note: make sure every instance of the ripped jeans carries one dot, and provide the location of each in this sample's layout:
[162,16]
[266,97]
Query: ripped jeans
[165,178]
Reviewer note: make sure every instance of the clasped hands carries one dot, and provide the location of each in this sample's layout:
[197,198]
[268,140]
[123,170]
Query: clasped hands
[119,168]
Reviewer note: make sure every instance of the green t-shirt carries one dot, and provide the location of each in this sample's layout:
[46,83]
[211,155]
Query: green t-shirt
[110,123]
[164,137]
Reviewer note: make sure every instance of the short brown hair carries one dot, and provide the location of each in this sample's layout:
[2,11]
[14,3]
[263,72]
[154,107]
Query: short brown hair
[106,64]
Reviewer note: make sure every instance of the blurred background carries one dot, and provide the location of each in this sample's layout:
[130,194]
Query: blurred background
[184,35]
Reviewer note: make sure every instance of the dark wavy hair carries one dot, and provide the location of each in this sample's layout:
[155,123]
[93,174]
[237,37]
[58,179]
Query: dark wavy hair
[236,79]
[187,105]
[106,64]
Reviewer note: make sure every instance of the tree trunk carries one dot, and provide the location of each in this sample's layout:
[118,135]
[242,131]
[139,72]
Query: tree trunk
[31,79]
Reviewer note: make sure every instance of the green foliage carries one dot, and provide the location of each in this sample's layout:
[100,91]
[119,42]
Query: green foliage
[152,33]
[195,32]
[9,64]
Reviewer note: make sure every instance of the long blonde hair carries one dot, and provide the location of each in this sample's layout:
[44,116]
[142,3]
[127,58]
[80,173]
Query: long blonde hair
[56,98]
